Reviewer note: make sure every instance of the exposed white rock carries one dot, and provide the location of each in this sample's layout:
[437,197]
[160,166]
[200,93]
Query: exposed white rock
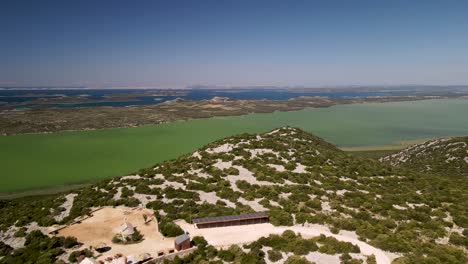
[273,132]
[300,168]
[277,167]
[414,205]
[197,155]
[67,205]
[221,149]
[175,185]
[341,192]
[8,237]
[118,194]
[131,177]
[223,164]
[326,206]
[144,198]
[253,204]
[399,207]
[256,152]
[212,198]
[246,175]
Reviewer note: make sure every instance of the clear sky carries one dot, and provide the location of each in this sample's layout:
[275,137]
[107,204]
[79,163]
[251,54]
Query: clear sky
[176,43]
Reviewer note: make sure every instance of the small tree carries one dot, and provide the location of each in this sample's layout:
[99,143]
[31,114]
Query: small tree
[274,255]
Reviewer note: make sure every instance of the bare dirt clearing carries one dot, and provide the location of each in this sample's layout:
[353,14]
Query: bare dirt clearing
[105,223]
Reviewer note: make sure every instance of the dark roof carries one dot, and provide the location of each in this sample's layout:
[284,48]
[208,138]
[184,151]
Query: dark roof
[182,238]
[229,218]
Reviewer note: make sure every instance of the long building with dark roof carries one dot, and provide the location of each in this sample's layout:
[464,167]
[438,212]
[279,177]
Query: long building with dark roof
[231,220]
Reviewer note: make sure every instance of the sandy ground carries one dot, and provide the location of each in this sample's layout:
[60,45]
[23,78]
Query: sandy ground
[105,223]
[226,236]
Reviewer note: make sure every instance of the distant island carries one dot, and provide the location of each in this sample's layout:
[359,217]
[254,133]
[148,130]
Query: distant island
[64,110]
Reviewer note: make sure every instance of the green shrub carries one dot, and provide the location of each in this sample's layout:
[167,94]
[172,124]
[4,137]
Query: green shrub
[75,254]
[274,255]
[297,260]
[458,240]
[169,229]
[5,249]
[280,217]
[226,255]
[199,241]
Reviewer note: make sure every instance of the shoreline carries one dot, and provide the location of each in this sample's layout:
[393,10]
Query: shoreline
[154,149]
[329,102]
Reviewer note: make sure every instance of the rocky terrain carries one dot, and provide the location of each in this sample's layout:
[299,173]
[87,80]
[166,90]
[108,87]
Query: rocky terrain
[447,156]
[299,179]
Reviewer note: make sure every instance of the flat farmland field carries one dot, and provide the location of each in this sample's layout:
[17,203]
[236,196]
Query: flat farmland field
[38,161]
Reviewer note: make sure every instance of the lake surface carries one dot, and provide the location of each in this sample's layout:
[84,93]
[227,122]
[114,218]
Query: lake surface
[41,160]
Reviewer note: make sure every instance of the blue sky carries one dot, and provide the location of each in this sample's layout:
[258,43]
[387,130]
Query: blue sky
[213,42]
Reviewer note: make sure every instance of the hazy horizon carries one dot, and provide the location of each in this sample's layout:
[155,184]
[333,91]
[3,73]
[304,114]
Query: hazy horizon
[176,44]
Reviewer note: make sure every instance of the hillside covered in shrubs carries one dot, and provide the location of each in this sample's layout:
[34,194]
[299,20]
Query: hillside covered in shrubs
[298,179]
[446,156]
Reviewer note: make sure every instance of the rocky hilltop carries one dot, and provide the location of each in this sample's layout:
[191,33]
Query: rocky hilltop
[299,179]
[447,156]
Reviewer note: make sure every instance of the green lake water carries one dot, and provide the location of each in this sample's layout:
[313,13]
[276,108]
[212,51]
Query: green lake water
[44,160]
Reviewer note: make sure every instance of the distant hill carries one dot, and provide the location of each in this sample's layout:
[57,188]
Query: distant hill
[448,156]
[297,178]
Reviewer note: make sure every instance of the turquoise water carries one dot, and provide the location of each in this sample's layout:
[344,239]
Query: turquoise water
[42,160]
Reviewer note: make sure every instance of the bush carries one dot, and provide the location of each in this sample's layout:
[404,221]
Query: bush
[226,255]
[137,236]
[75,254]
[169,229]
[21,232]
[117,239]
[199,242]
[134,238]
[371,260]
[458,240]
[274,255]
[297,260]
[280,217]
[5,249]
[69,242]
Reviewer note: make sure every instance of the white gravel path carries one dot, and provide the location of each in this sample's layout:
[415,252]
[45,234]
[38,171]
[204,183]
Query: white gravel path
[225,236]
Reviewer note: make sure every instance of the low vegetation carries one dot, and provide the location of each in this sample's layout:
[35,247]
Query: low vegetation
[132,239]
[286,244]
[39,249]
[299,179]
[448,157]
